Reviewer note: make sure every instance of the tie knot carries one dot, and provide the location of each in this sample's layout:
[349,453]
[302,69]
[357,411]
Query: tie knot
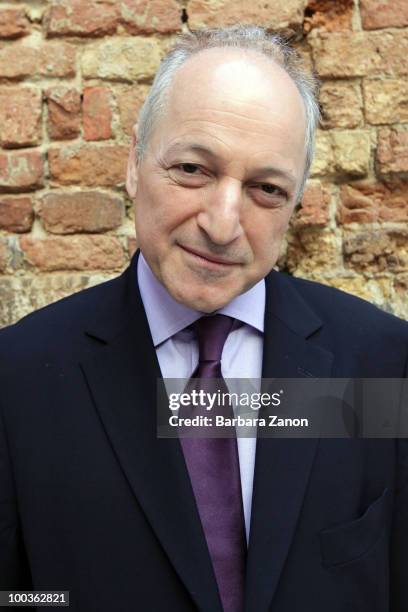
[212,333]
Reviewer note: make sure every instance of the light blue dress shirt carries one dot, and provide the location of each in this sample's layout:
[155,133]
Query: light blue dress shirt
[177,350]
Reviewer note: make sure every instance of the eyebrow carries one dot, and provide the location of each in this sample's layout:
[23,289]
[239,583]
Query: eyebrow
[198,148]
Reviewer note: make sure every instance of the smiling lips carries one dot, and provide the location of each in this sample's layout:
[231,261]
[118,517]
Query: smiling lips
[209,258]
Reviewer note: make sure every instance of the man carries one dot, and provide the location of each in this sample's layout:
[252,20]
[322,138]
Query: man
[91,500]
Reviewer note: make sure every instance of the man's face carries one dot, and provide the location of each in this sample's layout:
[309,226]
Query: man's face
[217,184]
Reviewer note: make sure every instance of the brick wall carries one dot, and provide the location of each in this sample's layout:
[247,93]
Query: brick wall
[73,74]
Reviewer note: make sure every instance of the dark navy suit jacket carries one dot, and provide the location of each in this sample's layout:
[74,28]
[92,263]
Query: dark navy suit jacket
[91,501]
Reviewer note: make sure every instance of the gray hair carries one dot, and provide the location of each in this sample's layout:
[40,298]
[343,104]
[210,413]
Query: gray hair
[256,38]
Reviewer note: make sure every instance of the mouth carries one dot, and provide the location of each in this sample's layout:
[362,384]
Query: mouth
[206,258]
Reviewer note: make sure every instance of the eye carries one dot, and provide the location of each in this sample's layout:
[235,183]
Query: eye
[270,189]
[189,168]
[269,194]
[188,174]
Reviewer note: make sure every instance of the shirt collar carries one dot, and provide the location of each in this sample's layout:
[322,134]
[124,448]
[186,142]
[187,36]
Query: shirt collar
[166,316]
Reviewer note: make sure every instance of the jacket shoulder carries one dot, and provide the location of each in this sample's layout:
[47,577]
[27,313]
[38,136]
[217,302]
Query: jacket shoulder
[330,302]
[60,324]
[355,330]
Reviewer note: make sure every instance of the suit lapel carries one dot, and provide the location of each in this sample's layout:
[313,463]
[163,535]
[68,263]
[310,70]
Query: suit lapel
[122,374]
[282,466]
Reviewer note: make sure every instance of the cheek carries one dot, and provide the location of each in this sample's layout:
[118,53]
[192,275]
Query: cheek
[161,211]
[265,236]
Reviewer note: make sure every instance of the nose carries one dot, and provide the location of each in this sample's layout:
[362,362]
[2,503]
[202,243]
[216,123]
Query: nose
[220,217]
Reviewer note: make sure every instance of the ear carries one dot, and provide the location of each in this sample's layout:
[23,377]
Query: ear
[132,166]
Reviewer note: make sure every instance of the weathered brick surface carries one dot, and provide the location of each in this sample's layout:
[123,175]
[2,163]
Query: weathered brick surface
[378,291]
[352,152]
[97,113]
[74,253]
[3,255]
[384,13]
[21,171]
[371,201]
[398,301]
[127,59]
[314,208]
[312,253]
[324,157]
[356,54]
[342,152]
[392,151]
[89,164]
[328,15]
[80,211]
[19,60]
[131,245]
[79,18]
[386,100]
[79,70]
[341,104]
[22,294]
[20,116]
[13,22]
[129,101]
[216,13]
[64,113]
[382,251]
[148,16]
[16,213]
[11,257]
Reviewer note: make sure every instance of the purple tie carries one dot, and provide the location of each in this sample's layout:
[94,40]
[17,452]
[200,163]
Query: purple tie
[213,466]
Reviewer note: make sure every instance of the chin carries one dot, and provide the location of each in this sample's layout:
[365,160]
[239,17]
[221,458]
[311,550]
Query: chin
[202,303]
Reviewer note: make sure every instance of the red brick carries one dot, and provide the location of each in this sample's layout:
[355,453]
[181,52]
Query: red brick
[328,15]
[148,16]
[356,206]
[81,18]
[13,22]
[383,13]
[97,113]
[80,211]
[19,60]
[64,113]
[74,253]
[16,214]
[129,102]
[383,251]
[20,116]
[368,201]
[88,164]
[345,216]
[21,171]
[392,151]
[314,208]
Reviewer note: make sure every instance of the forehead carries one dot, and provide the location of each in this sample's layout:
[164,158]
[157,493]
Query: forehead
[235,77]
[239,103]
